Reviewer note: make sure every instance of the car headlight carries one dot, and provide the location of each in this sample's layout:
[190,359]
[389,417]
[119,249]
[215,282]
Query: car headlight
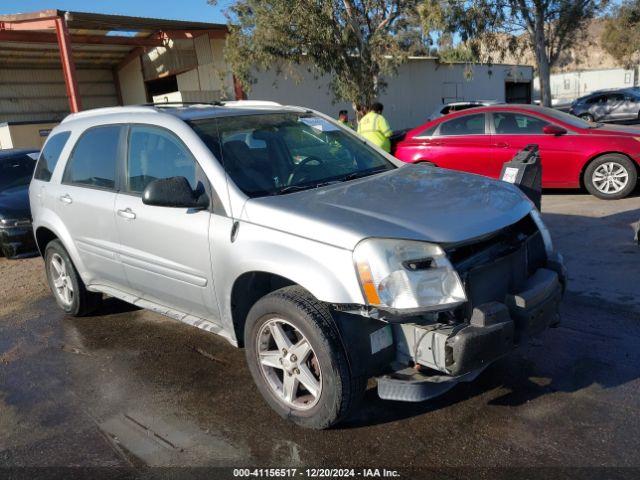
[11,222]
[407,275]
[544,231]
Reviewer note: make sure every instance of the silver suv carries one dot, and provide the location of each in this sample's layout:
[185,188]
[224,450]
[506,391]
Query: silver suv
[275,227]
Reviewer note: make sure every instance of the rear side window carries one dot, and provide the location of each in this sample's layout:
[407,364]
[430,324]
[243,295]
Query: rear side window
[50,156]
[94,157]
[467,125]
[506,123]
[427,132]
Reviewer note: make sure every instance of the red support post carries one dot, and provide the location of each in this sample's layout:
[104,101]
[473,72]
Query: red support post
[68,65]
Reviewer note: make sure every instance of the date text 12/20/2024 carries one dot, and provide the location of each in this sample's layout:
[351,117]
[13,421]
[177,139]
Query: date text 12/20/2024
[316,473]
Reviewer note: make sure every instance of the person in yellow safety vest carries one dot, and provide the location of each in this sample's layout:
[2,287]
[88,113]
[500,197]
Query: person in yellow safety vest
[374,127]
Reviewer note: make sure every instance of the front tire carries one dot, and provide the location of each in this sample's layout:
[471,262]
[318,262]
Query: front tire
[587,117]
[297,360]
[611,177]
[67,287]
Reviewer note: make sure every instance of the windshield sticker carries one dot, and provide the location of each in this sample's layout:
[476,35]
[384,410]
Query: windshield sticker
[319,124]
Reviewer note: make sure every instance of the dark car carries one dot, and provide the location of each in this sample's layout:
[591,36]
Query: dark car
[608,106]
[16,234]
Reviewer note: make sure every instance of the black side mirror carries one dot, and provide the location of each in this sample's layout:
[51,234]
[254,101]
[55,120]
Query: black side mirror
[173,192]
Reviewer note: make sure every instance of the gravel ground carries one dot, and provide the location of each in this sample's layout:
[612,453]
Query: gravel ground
[20,280]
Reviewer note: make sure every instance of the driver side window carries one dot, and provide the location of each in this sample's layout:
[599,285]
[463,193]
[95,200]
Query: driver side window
[466,125]
[154,153]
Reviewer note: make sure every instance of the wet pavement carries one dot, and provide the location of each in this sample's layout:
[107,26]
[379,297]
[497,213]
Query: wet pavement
[130,388]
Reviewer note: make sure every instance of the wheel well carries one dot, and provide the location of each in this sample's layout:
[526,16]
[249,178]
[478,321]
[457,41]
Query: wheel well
[43,237]
[593,159]
[247,290]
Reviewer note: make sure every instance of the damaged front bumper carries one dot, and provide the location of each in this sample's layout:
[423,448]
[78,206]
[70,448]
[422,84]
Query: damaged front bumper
[459,353]
[514,289]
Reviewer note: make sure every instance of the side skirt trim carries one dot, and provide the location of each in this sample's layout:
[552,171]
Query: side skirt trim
[189,319]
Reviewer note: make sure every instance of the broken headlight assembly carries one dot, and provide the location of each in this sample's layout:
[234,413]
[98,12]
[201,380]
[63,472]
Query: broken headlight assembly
[404,275]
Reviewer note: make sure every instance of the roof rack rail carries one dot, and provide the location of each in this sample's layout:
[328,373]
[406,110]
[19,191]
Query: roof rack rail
[173,104]
[252,104]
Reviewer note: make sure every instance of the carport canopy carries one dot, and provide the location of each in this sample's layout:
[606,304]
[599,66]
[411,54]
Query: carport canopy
[50,38]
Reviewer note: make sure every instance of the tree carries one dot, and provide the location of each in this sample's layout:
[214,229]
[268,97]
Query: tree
[621,35]
[355,42]
[410,35]
[490,27]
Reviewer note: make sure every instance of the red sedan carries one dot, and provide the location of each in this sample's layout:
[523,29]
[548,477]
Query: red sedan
[574,153]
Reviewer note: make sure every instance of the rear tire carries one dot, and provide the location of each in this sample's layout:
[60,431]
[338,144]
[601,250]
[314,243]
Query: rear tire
[67,287]
[611,176]
[308,322]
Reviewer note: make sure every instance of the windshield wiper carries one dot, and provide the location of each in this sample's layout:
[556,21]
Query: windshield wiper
[346,178]
[297,188]
[365,173]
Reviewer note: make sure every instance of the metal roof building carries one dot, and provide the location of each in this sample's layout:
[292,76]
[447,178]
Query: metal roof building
[54,62]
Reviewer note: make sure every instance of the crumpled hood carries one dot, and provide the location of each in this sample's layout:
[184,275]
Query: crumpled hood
[413,202]
[14,203]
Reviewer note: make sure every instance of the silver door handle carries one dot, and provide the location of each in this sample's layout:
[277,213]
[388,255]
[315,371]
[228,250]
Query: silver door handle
[127,213]
[66,199]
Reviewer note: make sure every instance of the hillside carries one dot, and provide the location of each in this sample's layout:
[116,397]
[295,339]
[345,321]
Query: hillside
[585,55]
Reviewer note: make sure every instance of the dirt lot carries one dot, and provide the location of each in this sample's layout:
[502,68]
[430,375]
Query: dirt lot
[131,388]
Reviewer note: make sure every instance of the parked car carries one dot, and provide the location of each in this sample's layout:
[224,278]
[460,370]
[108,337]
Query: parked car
[574,153]
[16,234]
[307,249]
[452,107]
[608,106]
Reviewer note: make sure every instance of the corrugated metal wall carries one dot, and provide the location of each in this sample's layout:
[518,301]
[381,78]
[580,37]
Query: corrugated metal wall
[567,86]
[178,56]
[211,74]
[33,95]
[411,96]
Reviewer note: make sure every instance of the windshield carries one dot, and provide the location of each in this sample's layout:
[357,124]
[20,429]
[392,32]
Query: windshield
[566,118]
[16,171]
[278,153]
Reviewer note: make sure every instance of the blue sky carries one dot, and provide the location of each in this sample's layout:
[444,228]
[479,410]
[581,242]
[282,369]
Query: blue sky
[197,10]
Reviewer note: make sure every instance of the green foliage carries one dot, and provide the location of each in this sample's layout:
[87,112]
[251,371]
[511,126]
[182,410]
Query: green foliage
[621,35]
[491,28]
[356,42]
[457,54]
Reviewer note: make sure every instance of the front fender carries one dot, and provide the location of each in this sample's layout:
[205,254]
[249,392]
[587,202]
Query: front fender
[326,271]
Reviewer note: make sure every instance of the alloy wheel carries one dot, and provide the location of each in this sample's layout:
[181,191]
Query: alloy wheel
[63,287]
[288,364]
[610,178]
